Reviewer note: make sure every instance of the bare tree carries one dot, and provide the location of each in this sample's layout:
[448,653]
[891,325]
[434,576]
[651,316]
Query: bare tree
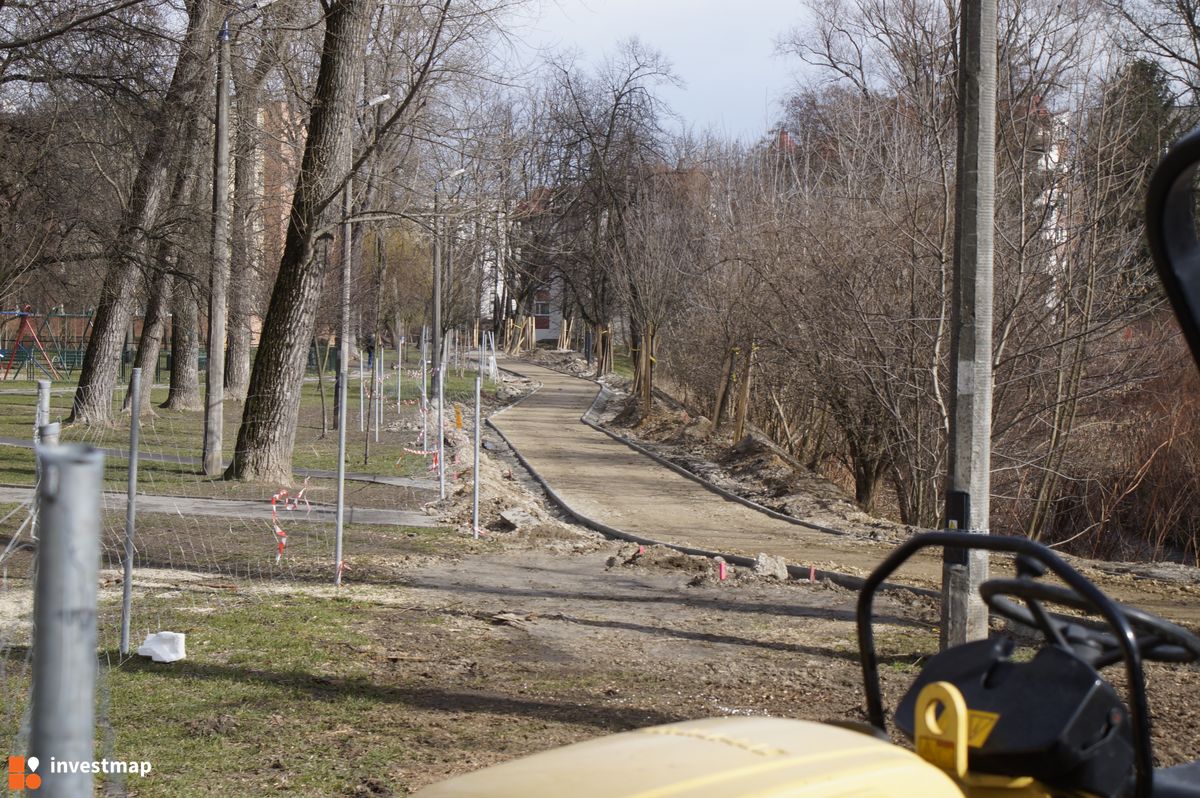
[131,248]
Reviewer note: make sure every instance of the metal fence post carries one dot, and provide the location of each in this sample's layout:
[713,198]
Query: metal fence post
[130,511]
[64,615]
[50,432]
[440,376]
[478,415]
[42,416]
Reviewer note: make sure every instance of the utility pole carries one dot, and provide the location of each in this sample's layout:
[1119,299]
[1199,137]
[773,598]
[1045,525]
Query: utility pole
[968,484]
[214,389]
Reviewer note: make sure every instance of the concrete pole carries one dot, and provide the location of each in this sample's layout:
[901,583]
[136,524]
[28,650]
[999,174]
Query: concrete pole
[64,615]
[343,376]
[214,389]
[130,511]
[964,616]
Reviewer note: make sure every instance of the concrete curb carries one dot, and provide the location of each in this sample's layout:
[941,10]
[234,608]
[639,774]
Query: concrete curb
[683,472]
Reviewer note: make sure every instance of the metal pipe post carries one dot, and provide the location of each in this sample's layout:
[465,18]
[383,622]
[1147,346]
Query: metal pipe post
[41,417]
[42,414]
[440,375]
[362,389]
[64,614]
[424,391]
[50,433]
[130,511]
[478,426]
[343,375]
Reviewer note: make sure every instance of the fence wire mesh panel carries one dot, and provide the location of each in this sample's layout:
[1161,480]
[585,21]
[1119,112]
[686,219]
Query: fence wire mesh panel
[214,559]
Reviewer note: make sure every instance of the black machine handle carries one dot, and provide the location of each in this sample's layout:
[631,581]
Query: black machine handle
[1139,707]
[1171,232]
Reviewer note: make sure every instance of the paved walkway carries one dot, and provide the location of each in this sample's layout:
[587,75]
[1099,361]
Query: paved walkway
[241,509]
[315,473]
[610,483]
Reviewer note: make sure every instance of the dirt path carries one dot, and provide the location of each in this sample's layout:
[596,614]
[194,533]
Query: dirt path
[604,480]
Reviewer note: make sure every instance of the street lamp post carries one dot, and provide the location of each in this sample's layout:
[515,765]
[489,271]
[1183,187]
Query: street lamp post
[214,392]
[438,375]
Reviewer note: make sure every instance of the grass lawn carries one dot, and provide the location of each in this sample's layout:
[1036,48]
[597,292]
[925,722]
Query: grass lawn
[179,434]
[287,686]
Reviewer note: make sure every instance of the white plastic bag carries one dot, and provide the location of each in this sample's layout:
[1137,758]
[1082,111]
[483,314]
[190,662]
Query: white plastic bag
[164,646]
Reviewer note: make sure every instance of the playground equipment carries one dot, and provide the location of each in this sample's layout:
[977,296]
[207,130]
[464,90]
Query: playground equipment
[43,342]
[20,356]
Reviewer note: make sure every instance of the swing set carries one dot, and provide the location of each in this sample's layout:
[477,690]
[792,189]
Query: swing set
[27,344]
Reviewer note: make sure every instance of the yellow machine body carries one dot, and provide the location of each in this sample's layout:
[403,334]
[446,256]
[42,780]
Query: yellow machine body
[742,757]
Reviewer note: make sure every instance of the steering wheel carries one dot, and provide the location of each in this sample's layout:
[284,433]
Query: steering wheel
[1157,638]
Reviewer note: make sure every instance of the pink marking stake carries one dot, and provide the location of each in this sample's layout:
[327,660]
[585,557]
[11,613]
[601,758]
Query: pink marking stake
[280,535]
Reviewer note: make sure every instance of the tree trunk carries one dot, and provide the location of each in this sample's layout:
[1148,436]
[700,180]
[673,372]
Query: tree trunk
[185,353]
[150,342]
[98,374]
[723,386]
[743,405]
[245,268]
[603,349]
[868,473]
[268,430]
[246,274]
[646,366]
[166,262]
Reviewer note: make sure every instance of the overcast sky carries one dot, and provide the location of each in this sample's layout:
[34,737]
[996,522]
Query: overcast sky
[723,50]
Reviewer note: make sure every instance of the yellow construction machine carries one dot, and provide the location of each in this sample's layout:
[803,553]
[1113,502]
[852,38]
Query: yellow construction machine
[985,719]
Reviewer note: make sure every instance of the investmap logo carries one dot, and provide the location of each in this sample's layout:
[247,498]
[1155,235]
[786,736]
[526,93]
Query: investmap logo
[22,773]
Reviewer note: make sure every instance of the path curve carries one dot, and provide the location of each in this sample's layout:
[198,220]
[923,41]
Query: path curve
[607,482]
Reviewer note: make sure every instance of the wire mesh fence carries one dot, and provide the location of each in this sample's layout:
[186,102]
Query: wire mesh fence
[204,547]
